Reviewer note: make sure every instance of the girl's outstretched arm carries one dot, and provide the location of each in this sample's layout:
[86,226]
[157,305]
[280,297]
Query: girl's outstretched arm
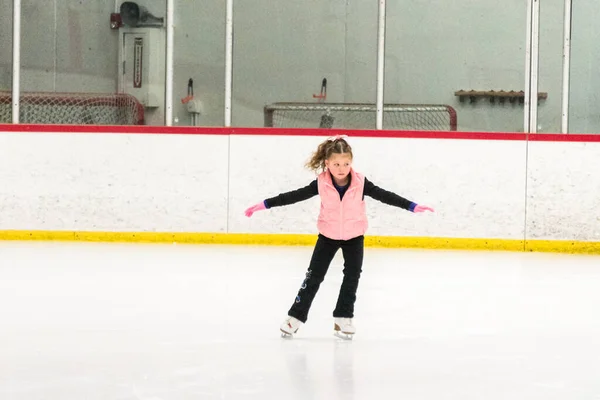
[287,198]
[392,198]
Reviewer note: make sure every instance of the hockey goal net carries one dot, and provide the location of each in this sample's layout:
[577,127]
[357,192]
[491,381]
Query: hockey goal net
[427,117]
[73,108]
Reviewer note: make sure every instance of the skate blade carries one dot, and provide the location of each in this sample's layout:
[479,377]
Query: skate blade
[286,335]
[342,335]
[337,331]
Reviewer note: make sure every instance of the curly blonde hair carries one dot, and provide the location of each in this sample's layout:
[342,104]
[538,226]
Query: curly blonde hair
[325,150]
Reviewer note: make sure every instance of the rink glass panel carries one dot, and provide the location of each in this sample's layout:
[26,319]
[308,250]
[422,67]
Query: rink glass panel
[584,79]
[199,54]
[436,48]
[6,28]
[287,49]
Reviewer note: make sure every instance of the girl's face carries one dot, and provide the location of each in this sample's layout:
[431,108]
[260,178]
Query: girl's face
[339,165]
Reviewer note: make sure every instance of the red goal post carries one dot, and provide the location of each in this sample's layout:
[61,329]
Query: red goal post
[422,117]
[73,108]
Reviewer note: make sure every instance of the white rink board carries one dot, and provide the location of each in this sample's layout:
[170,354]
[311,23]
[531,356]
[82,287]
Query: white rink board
[203,183]
[262,167]
[113,182]
[470,200]
[563,196]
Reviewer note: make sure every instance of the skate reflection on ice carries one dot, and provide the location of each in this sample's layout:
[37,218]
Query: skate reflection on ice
[296,361]
[307,363]
[343,367]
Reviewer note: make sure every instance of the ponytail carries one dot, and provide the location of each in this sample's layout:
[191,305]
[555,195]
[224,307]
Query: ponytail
[335,145]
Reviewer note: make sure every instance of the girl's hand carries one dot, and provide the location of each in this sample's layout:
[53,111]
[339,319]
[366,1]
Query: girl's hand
[257,207]
[422,209]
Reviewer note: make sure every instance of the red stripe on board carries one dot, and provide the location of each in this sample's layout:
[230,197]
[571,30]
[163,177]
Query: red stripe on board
[115,129]
[557,137]
[185,130]
[381,133]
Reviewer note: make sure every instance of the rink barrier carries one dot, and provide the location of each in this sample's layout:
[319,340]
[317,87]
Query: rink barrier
[513,244]
[278,239]
[366,133]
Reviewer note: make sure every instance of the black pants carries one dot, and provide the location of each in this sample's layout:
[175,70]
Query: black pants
[323,254]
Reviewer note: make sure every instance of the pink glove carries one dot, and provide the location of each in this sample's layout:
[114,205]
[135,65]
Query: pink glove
[422,209]
[257,207]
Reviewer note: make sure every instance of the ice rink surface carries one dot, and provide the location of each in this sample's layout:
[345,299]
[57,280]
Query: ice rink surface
[177,322]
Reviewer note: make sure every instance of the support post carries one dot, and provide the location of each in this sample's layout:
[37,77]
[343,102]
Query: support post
[16,61]
[169,65]
[566,66]
[380,64]
[228,61]
[531,66]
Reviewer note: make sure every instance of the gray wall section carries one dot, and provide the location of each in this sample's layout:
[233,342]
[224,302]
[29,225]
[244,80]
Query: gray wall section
[199,54]
[6,12]
[65,46]
[283,50]
[440,47]
[585,79]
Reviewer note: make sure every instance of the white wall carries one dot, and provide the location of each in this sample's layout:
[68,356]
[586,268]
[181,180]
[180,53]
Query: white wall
[203,183]
[441,173]
[108,182]
[563,183]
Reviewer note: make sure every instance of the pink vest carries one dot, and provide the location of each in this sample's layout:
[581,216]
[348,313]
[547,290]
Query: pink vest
[342,219]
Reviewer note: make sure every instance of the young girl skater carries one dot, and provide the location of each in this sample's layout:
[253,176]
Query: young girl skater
[342,223]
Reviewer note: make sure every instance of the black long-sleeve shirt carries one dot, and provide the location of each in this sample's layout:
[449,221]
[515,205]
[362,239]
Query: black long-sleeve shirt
[312,189]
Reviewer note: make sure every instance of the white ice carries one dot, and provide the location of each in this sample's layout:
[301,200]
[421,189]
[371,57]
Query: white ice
[177,322]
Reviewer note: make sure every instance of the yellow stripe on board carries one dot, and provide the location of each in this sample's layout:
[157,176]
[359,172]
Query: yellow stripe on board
[563,246]
[275,239]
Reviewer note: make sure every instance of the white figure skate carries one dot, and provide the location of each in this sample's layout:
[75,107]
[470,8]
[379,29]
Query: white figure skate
[289,327]
[343,328]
